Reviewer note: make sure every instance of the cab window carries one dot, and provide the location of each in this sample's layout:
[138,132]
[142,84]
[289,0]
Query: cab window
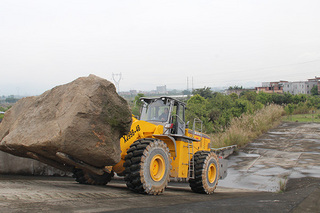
[157,110]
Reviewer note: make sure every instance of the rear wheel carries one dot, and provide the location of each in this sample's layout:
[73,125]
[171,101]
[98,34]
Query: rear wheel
[84,177]
[147,166]
[206,172]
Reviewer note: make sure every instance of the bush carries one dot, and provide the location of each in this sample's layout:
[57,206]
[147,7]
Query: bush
[136,104]
[248,127]
[289,109]
[301,108]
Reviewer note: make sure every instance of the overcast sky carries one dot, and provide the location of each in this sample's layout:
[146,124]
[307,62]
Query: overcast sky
[217,43]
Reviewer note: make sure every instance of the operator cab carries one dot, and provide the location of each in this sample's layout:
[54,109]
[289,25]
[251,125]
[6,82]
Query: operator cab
[165,111]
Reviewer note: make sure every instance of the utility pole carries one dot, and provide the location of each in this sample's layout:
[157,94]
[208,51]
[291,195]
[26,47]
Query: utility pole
[192,84]
[117,78]
[187,83]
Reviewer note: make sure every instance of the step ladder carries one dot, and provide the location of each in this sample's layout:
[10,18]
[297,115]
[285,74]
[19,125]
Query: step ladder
[191,160]
[191,148]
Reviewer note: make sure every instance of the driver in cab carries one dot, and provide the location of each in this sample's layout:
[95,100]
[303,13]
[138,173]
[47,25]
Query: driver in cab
[164,115]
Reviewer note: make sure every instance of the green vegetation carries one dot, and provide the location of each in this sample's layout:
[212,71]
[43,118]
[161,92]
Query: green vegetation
[136,104]
[310,117]
[235,87]
[217,110]
[283,184]
[248,127]
[314,90]
[11,99]
[230,119]
[3,109]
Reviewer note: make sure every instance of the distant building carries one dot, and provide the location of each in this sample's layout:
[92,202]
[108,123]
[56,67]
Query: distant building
[316,79]
[271,87]
[133,92]
[300,87]
[294,88]
[128,93]
[162,89]
[236,91]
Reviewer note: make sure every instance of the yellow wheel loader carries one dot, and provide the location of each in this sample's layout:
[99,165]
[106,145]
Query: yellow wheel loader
[160,146]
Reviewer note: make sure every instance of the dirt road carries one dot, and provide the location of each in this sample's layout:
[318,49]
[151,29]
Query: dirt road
[246,194]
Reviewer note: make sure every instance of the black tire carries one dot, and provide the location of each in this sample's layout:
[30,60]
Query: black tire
[143,155]
[206,172]
[84,177]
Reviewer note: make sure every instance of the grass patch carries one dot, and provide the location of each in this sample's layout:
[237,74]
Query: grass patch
[283,185]
[308,118]
[248,127]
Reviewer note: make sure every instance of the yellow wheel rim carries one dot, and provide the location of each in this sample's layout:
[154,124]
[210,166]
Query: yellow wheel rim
[157,167]
[212,172]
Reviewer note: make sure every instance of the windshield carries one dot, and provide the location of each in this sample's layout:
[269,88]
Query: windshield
[157,110]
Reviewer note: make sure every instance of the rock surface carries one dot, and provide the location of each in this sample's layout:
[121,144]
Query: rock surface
[84,119]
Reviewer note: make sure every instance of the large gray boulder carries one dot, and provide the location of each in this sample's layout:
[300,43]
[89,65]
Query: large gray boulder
[84,119]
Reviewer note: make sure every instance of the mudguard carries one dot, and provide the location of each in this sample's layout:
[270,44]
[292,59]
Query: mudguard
[223,168]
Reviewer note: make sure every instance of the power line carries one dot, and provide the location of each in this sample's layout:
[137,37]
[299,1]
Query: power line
[264,68]
[285,65]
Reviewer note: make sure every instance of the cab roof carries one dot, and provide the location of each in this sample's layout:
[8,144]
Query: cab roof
[149,100]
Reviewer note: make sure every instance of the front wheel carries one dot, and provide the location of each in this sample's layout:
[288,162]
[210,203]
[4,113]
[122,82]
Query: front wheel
[206,170]
[147,166]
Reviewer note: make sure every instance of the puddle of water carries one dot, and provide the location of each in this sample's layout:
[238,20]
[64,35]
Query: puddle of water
[314,153]
[266,139]
[296,174]
[252,155]
[259,166]
[312,136]
[246,155]
[274,171]
[310,140]
[244,180]
[281,133]
[257,144]
[311,171]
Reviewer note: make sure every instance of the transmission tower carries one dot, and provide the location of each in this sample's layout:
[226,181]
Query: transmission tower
[187,83]
[191,84]
[117,78]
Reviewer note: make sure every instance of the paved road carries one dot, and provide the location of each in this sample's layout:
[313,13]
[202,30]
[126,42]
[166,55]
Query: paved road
[53,194]
[292,150]
[50,194]
[20,193]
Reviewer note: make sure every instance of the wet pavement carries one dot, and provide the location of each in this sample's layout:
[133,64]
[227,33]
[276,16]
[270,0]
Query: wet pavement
[287,153]
[58,194]
[292,150]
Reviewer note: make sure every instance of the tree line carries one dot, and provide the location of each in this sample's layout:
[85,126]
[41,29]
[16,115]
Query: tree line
[216,110]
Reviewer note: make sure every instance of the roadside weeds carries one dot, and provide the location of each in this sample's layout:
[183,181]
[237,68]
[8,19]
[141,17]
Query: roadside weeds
[244,129]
